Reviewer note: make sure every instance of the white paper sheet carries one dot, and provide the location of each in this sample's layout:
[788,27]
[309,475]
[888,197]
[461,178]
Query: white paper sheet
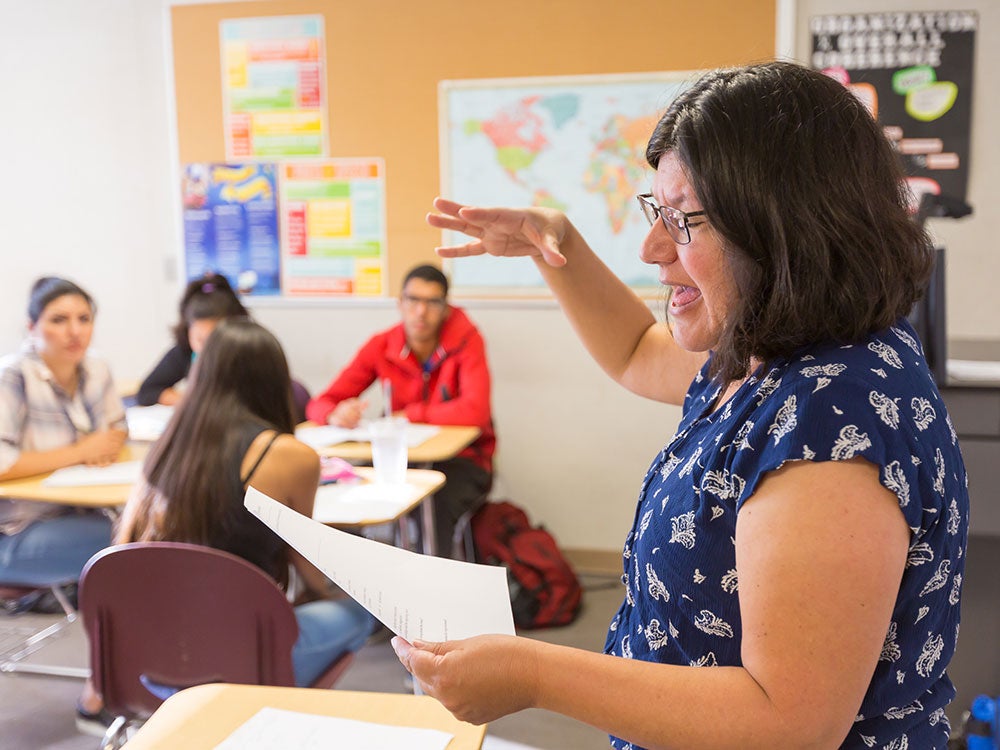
[147,423]
[415,596]
[123,472]
[326,435]
[278,729]
[351,502]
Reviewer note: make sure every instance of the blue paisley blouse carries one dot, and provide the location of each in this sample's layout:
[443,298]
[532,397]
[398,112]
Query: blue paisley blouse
[875,399]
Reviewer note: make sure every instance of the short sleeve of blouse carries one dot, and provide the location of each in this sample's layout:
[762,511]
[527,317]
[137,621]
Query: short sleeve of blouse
[12,409]
[857,401]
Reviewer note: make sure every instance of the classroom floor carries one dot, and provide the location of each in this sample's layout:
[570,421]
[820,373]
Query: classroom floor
[36,712]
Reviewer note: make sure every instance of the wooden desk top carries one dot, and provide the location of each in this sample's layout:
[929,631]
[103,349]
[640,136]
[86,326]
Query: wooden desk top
[447,443]
[202,717]
[104,496]
[369,505]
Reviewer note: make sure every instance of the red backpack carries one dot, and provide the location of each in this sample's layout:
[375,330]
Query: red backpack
[544,590]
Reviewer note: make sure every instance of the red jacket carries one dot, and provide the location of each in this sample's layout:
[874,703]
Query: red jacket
[455,390]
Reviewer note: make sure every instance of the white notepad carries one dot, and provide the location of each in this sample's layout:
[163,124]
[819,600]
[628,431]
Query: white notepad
[352,502]
[326,435]
[278,729]
[123,472]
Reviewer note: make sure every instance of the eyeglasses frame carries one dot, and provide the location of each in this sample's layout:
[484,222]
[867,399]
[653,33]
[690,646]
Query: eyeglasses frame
[683,218]
[431,303]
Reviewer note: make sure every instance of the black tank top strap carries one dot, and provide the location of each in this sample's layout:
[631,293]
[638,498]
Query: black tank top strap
[260,458]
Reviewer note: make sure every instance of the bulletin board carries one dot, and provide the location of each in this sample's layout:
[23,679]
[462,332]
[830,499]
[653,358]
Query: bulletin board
[384,62]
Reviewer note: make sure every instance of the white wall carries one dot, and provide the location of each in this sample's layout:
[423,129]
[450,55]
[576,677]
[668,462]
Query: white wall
[87,190]
[90,195]
[572,445]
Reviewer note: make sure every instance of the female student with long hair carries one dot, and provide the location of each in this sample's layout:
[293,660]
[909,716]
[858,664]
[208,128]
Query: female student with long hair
[234,428]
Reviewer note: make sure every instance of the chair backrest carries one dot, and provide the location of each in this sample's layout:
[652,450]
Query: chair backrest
[179,615]
[300,398]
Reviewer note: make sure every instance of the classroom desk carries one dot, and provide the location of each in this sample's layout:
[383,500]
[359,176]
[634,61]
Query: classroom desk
[448,443]
[104,496]
[422,483]
[358,505]
[203,716]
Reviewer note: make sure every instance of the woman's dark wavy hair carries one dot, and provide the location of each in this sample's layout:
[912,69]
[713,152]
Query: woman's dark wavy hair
[47,289]
[209,298]
[808,197]
[192,472]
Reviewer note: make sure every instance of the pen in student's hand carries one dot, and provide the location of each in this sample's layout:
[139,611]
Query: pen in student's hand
[387,396]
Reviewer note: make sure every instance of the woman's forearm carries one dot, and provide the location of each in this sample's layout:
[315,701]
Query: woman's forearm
[666,706]
[30,463]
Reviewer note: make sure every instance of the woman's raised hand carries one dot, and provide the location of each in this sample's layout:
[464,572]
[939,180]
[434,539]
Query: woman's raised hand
[502,231]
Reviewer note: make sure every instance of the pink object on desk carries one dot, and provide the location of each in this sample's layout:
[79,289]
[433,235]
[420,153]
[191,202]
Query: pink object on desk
[333,469]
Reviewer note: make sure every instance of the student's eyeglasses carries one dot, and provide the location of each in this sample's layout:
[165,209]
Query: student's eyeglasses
[433,303]
[677,222]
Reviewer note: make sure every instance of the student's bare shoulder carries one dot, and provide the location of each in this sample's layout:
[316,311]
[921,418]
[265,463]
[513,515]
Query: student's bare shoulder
[287,450]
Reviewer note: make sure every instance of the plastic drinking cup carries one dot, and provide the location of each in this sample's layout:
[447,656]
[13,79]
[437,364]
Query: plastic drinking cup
[389,450]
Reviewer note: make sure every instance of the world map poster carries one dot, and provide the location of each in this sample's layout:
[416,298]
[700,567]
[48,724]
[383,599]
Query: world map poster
[575,143]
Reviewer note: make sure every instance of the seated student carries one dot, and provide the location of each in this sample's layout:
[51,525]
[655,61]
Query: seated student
[435,360]
[233,429]
[204,303]
[58,407]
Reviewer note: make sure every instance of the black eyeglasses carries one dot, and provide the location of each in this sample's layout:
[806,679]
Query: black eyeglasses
[677,222]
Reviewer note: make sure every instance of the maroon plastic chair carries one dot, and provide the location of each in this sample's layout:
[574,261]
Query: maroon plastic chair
[300,398]
[173,615]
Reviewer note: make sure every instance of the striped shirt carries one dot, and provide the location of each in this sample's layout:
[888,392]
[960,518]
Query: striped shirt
[37,414]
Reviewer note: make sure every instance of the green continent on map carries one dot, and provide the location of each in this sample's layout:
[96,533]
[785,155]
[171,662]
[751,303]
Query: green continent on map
[617,166]
[518,131]
[515,158]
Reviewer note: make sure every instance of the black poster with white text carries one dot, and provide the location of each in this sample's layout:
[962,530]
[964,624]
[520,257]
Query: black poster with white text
[914,72]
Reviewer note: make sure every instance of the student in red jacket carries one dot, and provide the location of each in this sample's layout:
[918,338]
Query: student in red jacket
[435,360]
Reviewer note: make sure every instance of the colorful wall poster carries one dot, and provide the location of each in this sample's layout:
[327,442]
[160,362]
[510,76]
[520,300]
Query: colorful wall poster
[273,82]
[333,227]
[231,225]
[913,70]
[576,143]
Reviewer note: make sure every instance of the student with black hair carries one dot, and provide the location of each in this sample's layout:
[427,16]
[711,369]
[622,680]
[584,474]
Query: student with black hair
[205,302]
[435,361]
[58,408]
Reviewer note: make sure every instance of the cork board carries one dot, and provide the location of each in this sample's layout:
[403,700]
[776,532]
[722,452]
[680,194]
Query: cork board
[384,62]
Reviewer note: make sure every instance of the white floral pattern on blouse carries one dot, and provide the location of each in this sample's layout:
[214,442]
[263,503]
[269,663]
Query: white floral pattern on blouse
[876,400]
